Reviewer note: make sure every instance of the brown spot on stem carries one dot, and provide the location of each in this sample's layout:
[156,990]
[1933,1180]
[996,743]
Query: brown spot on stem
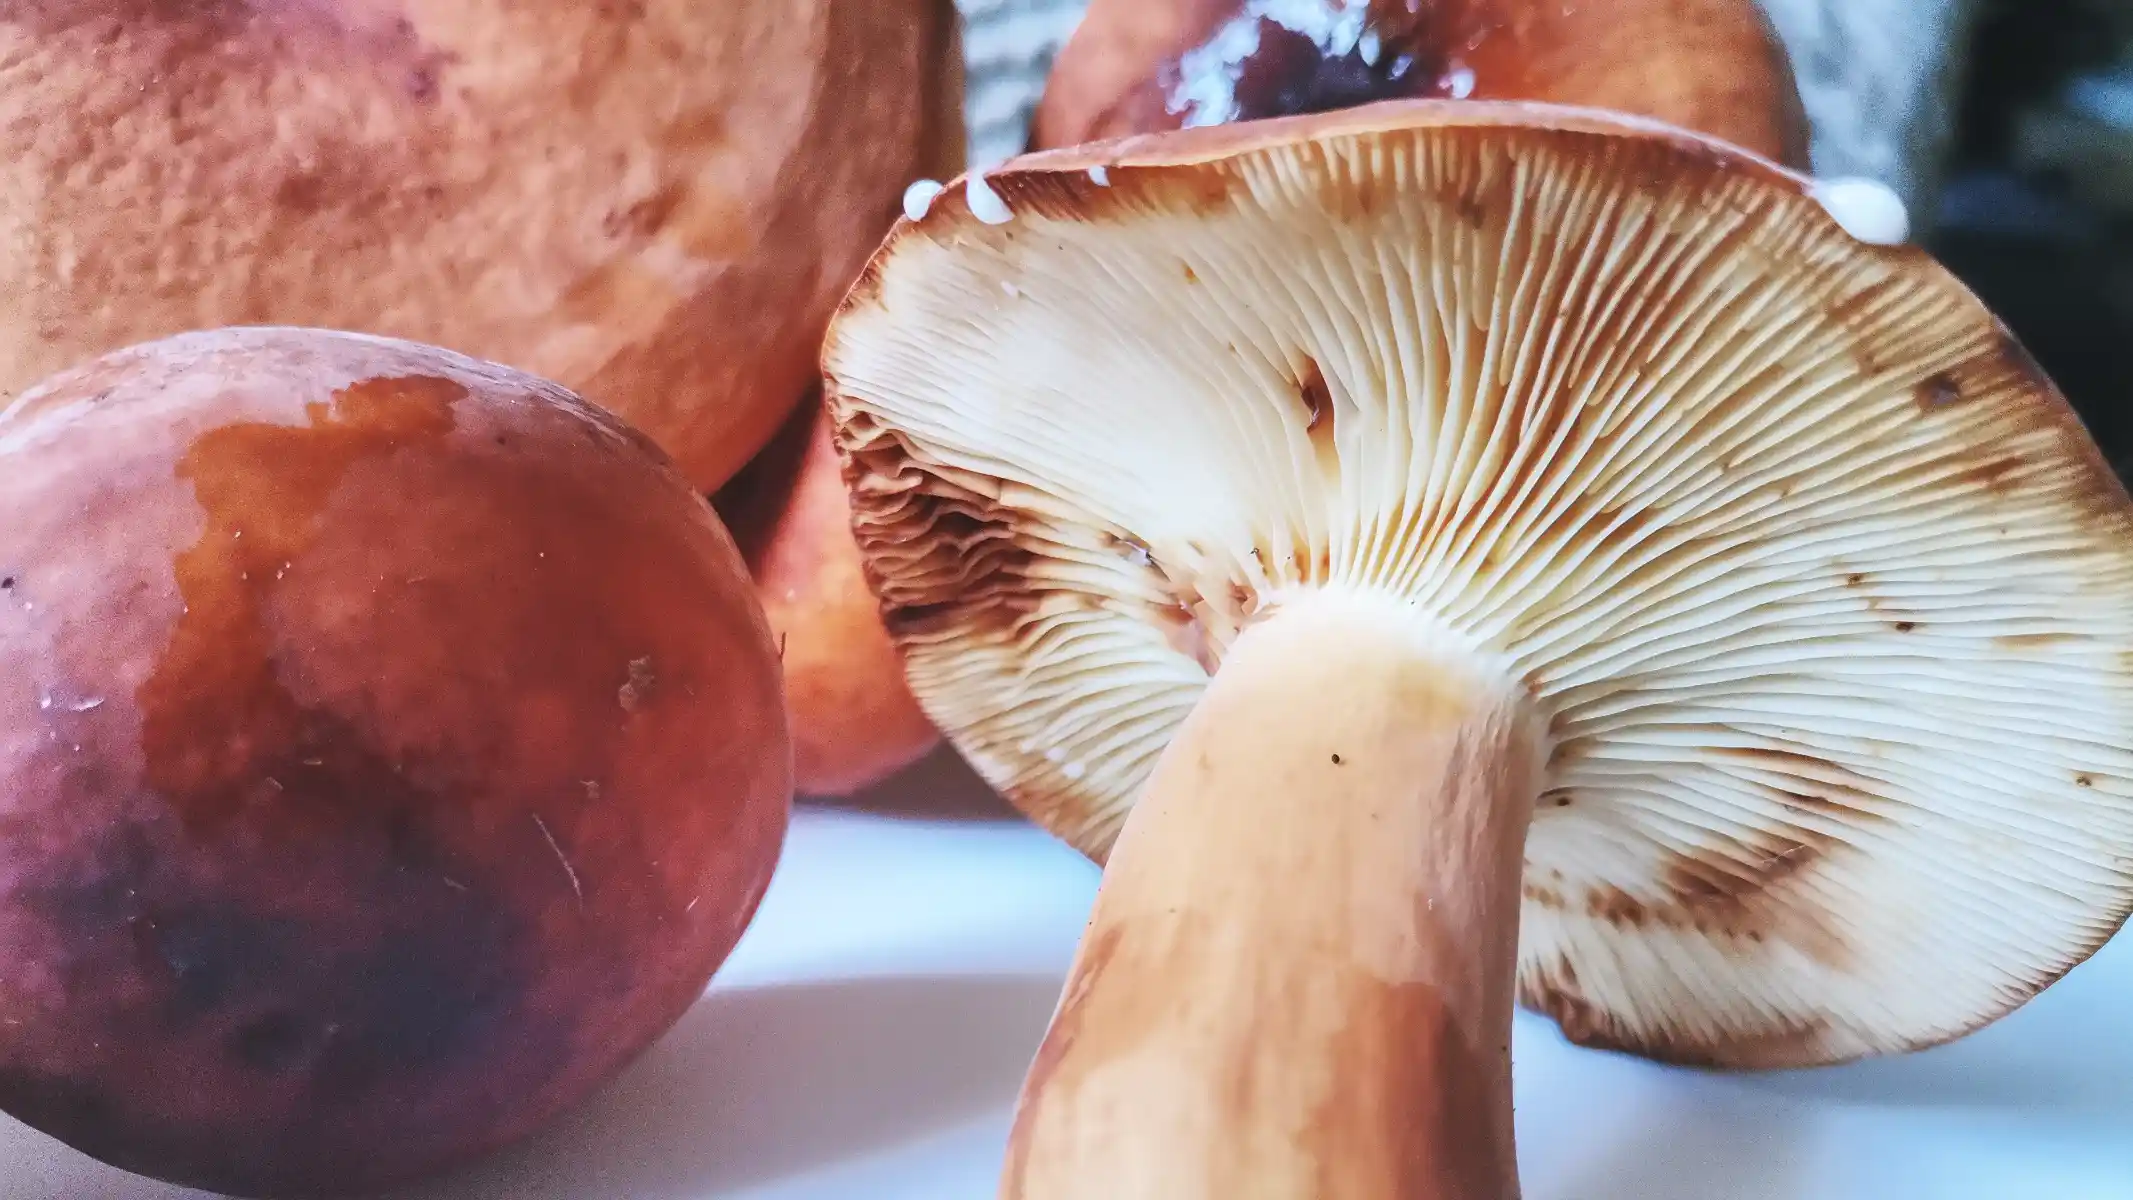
[1379,1116]
[1094,959]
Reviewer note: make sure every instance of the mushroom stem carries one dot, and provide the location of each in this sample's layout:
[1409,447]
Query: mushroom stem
[1298,977]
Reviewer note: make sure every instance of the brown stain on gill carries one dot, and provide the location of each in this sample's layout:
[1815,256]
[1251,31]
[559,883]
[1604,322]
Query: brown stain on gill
[1938,391]
[217,722]
[1999,475]
[938,554]
[1558,995]
[1316,399]
[1740,888]
[1781,1043]
[2002,367]
[2020,642]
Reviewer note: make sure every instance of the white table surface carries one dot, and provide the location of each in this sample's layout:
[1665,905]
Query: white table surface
[866,1040]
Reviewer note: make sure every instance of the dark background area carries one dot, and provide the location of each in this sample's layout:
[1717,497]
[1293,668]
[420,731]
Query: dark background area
[2052,258]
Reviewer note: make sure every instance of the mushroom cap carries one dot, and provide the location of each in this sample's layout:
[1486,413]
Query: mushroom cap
[1141,66]
[657,205]
[854,720]
[391,749]
[1824,593]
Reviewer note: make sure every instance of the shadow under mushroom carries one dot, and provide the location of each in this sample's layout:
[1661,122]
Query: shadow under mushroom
[760,1083]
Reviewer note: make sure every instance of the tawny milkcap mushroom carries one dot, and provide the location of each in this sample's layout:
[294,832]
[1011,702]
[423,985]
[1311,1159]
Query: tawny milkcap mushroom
[391,749]
[854,720]
[1439,553]
[1140,66]
[656,205]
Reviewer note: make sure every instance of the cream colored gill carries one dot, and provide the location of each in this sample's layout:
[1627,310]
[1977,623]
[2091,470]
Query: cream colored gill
[1823,593]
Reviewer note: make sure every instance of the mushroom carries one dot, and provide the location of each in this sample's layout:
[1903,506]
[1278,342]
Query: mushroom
[391,749]
[854,721]
[656,205]
[1438,553]
[1141,66]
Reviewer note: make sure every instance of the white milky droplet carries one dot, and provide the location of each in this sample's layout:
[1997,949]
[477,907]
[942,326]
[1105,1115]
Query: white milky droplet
[919,197]
[1866,209]
[1100,175]
[985,204]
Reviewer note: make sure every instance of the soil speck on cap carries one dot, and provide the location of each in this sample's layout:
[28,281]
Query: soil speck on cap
[638,688]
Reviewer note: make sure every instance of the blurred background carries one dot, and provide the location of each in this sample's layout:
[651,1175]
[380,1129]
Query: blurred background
[2006,124]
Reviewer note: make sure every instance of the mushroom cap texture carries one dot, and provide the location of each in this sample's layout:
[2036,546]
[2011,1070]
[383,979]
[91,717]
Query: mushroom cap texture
[1822,590]
[1140,66]
[655,203]
[854,720]
[393,748]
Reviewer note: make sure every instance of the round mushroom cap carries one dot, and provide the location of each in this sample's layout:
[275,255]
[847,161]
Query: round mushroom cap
[1140,66]
[656,204]
[1822,591]
[391,748]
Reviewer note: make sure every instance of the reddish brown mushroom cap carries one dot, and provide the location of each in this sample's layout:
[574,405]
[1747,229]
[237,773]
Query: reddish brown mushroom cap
[1819,589]
[1141,66]
[391,747]
[657,205]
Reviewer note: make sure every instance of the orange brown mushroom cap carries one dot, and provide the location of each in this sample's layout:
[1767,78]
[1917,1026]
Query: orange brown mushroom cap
[1144,66]
[1807,587]
[657,205]
[391,748]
